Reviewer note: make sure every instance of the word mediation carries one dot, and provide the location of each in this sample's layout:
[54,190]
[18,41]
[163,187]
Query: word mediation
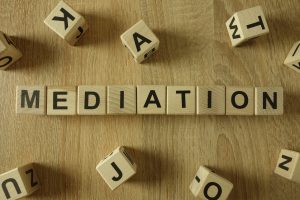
[149,99]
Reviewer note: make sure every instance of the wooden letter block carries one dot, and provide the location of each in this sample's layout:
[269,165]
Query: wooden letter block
[293,58]
[239,101]
[151,99]
[18,183]
[8,52]
[246,24]
[116,168]
[91,100]
[31,100]
[61,100]
[268,101]
[121,100]
[208,185]
[67,23]
[181,100]
[288,165]
[211,100]
[140,41]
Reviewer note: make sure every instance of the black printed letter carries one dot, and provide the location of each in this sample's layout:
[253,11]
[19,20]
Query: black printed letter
[5,190]
[86,100]
[32,182]
[183,99]
[56,100]
[287,160]
[266,98]
[206,188]
[138,43]
[64,18]
[155,99]
[233,102]
[235,27]
[120,174]
[34,98]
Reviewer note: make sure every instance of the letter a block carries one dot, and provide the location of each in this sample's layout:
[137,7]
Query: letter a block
[268,101]
[208,185]
[288,165]
[140,41]
[293,58]
[116,168]
[246,24]
[18,183]
[67,23]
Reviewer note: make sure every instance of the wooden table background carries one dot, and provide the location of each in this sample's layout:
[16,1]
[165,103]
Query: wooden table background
[195,50]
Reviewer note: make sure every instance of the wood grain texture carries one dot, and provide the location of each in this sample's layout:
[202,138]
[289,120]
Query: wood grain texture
[195,49]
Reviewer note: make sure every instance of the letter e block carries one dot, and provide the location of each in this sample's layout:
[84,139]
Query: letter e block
[211,100]
[293,58]
[268,101]
[239,101]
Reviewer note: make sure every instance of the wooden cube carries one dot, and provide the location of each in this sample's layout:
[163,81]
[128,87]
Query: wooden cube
[8,52]
[61,100]
[208,185]
[268,101]
[18,183]
[288,165]
[293,58]
[246,24]
[151,99]
[91,100]
[31,100]
[116,168]
[140,41]
[181,100]
[67,23]
[121,99]
[211,100]
[239,100]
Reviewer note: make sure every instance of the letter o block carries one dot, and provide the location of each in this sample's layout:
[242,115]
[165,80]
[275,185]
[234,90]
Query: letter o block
[239,100]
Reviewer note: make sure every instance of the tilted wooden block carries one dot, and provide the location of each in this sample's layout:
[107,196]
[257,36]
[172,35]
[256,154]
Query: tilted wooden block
[268,101]
[31,100]
[116,168]
[67,23]
[288,165]
[293,58]
[8,51]
[211,100]
[151,99]
[239,100]
[246,24]
[61,100]
[208,185]
[91,100]
[140,41]
[18,183]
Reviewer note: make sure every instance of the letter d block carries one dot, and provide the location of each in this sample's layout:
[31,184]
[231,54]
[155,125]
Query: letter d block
[208,185]
[116,168]
[18,183]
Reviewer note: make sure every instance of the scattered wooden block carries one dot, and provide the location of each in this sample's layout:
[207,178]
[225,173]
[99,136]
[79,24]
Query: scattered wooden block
[268,101]
[246,24]
[61,100]
[18,183]
[211,100]
[181,100]
[151,99]
[208,185]
[239,101]
[31,100]
[67,23]
[293,58]
[121,99]
[91,100]
[116,168]
[8,52]
[288,165]
[140,41]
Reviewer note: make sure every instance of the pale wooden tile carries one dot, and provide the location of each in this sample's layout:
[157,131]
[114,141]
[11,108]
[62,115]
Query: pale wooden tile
[293,58]
[239,100]
[211,100]
[268,101]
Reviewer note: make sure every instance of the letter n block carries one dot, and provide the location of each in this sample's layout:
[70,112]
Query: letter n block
[140,41]
[116,168]
[239,100]
[293,58]
[268,101]
[67,23]
[208,185]
[18,183]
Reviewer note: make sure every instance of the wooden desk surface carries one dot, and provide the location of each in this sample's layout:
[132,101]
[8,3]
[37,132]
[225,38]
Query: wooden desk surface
[195,50]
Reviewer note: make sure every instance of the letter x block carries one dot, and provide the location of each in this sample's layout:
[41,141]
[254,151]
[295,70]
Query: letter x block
[67,23]
[140,41]
[247,24]
[116,168]
[293,58]
[18,183]
[208,185]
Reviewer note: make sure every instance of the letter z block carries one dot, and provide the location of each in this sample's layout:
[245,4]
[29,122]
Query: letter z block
[293,58]
[116,168]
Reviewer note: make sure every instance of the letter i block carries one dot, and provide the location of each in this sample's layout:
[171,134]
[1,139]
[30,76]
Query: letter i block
[8,52]
[246,24]
[268,101]
[67,23]
[18,183]
[288,165]
[211,100]
[293,58]
[116,168]
[140,41]
[208,185]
